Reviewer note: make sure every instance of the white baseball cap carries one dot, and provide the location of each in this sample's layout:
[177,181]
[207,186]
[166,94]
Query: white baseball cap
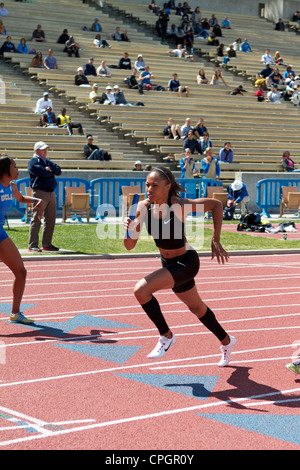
[40,146]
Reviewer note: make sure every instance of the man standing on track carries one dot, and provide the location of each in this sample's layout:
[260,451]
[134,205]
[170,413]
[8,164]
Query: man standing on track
[42,181]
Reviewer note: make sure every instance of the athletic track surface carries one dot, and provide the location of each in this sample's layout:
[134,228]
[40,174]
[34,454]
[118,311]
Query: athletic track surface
[79,378]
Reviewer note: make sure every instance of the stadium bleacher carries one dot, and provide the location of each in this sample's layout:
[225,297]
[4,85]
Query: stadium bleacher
[258,132]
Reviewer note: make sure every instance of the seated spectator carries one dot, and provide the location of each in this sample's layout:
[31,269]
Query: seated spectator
[38,35]
[186,128]
[237,44]
[215,79]
[80,79]
[124,36]
[205,142]
[273,96]
[187,165]
[7,46]
[22,47]
[289,69]
[180,52]
[2,28]
[204,27]
[133,83]
[139,63]
[145,78]
[296,16]
[263,75]
[125,62]
[192,143]
[212,40]
[43,103]
[91,151]
[48,118]
[37,60]
[275,77]
[291,86]
[210,165]
[245,46]
[108,97]
[174,85]
[237,192]
[238,90]
[65,121]
[153,7]
[103,70]
[96,26]
[287,163]
[119,97]
[100,42]
[231,53]
[226,153]
[50,61]
[172,35]
[279,25]
[260,94]
[201,78]
[116,36]
[94,97]
[217,31]
[266,58]
[200,128]
[3,10]
[278,60]
[89,68]
[72,47]
[226,24]
[138,166]
[172,131]
[63,38]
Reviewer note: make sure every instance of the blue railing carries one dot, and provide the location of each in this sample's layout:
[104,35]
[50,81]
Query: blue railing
[269,193]
[108,191]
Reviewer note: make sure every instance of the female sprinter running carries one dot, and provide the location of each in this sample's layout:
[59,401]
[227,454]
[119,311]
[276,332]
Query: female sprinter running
[9,253]
[164,212]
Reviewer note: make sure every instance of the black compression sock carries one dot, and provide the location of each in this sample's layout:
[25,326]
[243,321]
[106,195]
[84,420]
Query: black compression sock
[153,311]
[209,320]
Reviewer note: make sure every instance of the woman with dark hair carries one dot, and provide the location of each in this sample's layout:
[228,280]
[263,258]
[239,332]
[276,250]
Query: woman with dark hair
[9,254]
[287,163]
[164,213]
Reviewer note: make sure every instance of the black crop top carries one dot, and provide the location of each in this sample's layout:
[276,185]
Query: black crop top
[168,231]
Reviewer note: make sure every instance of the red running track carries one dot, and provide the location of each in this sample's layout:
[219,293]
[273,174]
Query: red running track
[80,379]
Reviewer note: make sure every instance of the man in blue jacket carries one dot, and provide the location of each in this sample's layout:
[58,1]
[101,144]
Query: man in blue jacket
[42,173]
[237,192]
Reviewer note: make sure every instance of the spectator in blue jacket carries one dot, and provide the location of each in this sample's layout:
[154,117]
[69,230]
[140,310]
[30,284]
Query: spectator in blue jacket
[245,46]
[42,173]
[226,153]
[22,47]
[237,192]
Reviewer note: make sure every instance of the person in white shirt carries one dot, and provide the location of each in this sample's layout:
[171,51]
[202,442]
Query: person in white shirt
[273,95]
[43,103]
[180,52]
[266,58]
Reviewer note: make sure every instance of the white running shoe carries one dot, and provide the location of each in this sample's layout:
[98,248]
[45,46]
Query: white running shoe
[162,347]
[226,352]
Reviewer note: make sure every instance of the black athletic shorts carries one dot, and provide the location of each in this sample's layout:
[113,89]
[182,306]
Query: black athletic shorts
[183,269]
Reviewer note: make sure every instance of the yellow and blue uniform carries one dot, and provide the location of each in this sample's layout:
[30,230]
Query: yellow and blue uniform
[6,200]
